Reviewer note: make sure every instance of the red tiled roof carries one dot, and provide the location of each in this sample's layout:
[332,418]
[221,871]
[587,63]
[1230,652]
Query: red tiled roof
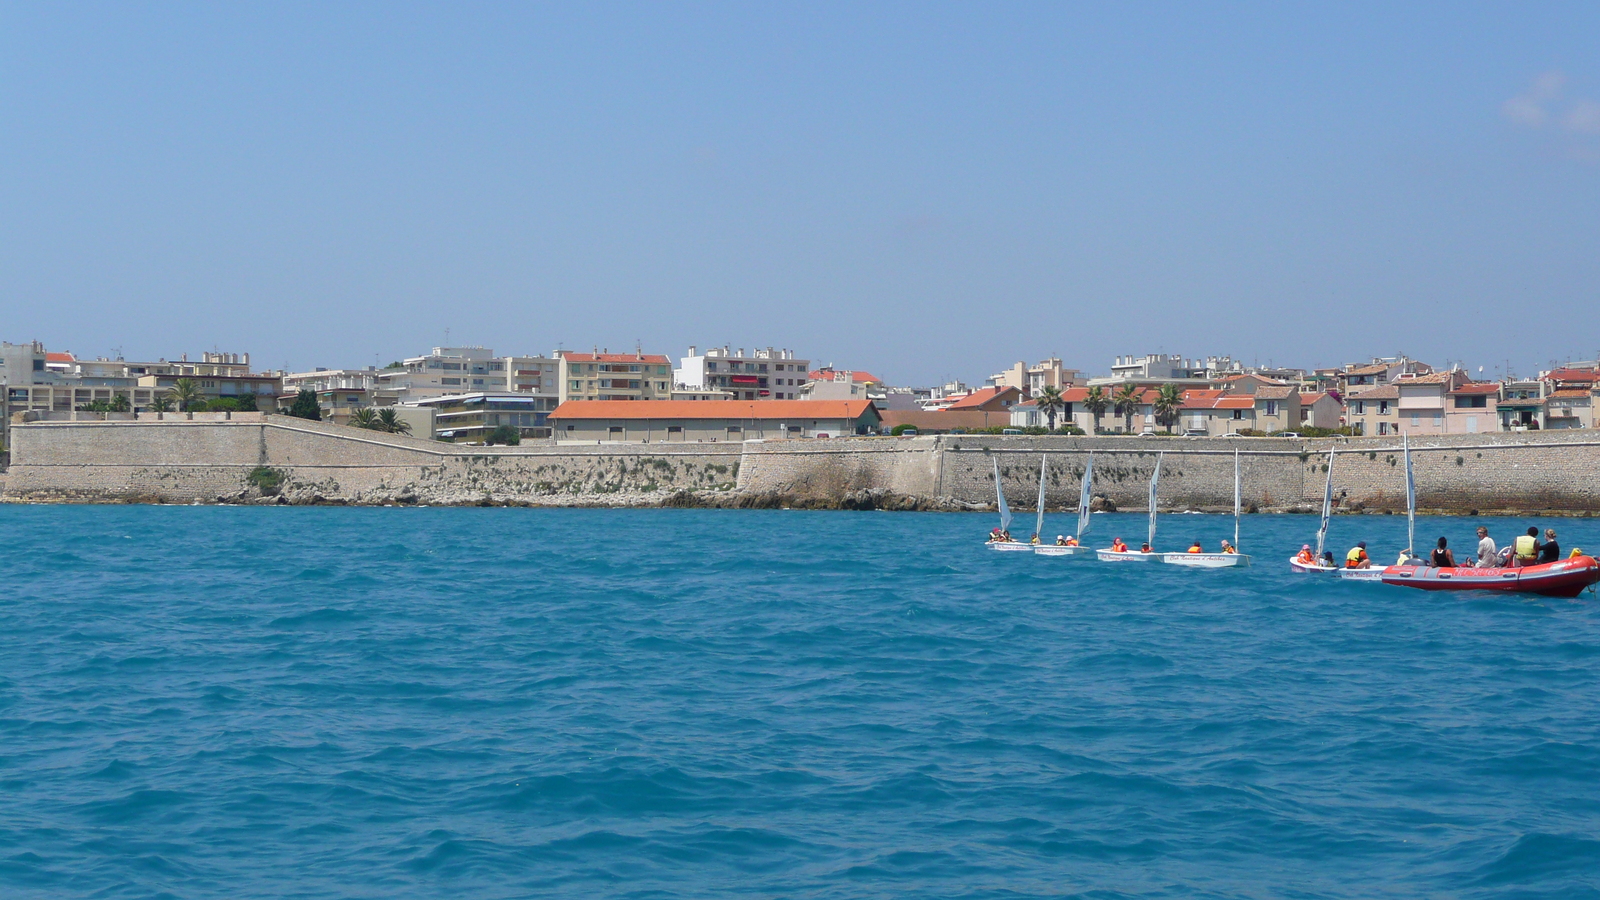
[712,409]
[1367,370]
[1308,399]
[1243,401]
[1381,392]
[1478,387]
[1568,393]
[1435,378]
[856,376]
[1555,375]
[651,358]
[59,357]
[981,396]
[1276,391]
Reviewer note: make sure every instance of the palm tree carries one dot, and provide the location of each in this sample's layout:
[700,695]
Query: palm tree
[365,417]
[161,403]
[1096,403]
[185,392]
[1051,404]
[1168,400]
[1127,402]
[391,422]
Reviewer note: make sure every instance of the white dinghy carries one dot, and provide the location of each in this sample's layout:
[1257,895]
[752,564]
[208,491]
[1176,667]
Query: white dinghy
[1317,567]
[1216,560]
[1005,517]
[1085,497]
[1109,555]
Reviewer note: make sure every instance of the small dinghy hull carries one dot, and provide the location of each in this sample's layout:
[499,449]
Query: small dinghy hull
[1206,560]
[1059,550]
[1126,556]
[1010,546]
[1563,578]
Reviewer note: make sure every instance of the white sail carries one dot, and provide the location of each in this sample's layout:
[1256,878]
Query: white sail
[1411,501]
[1155,479]
[1000,499]
[1327,506]
[1085,497]
[1038,522]
[1236,498]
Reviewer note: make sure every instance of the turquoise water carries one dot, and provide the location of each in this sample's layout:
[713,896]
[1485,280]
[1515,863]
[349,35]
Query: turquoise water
[313,702]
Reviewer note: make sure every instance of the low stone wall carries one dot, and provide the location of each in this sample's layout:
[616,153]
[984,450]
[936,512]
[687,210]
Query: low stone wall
[269,458]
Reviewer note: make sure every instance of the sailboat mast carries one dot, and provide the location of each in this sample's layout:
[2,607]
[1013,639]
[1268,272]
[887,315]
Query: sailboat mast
[1085,496]
[1155,480]
[1038,522]
[1236,498]
[1000,498]
[1327,506]
[1411,501]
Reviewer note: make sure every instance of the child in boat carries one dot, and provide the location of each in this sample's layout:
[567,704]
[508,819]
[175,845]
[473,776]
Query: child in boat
[1061,541]
[1305,556]
[1034,539]
[1228,548]
[1117,546]
[1357,557]
[1195,548]
[1072,542]
[1145,548]
[1442,556]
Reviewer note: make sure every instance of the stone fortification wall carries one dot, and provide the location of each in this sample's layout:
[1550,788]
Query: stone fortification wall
[182,460]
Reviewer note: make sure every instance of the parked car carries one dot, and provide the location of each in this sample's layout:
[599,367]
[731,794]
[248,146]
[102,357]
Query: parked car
[1289,434]
[1195,432]
[1233,434]
[1011,431]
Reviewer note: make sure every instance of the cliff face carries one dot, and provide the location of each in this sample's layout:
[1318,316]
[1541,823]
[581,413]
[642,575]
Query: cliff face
[252,458]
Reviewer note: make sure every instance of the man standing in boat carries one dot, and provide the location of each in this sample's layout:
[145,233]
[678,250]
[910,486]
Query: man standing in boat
[1488,553]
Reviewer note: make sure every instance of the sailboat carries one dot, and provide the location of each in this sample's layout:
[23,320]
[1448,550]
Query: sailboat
[1322,531]
[1085,497]
[1217,560]
[1375,573]
[1005,515]
[1135,555]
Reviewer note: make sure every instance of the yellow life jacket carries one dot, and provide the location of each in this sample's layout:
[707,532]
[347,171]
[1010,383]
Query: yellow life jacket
[1353,557]
[1526,547]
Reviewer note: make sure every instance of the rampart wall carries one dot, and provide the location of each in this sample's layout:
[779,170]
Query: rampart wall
[223,459]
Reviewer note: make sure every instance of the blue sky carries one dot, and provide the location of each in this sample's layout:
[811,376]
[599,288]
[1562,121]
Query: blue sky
[924,190]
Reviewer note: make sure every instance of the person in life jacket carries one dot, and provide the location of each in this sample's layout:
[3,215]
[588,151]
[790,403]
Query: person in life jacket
[1117,546]
[1228,548]
[1072,542]
[994,536]
[1305,556]
[1061,541]
[1357,557]
[1034,539]
[1526,547]
[1195,548]
[1145,548]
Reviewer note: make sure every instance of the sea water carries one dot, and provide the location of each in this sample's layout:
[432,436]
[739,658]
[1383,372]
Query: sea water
[325,702]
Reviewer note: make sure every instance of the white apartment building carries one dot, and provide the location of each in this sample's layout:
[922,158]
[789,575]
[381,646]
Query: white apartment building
[767,374]
[448,371]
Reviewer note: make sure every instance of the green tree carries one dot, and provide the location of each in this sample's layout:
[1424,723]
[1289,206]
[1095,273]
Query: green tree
[223,404]
[397,364]
[1127,403]
[161,403]
[306,406]
[247,403]
[186,393]
[365,417]
[120,403]
[505,434]
[1168,401]
[390,421]
[1096,403]
[1050,403]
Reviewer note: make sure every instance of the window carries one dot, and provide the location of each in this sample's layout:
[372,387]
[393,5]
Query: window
[1416,419]
[1383,407]
[615,430]
[449,381]
[1361,408]
[735,429]
[674,429]
[572,428]
[1272,407]
[1438,419]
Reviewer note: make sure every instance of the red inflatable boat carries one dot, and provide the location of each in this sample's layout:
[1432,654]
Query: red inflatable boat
[1565,578]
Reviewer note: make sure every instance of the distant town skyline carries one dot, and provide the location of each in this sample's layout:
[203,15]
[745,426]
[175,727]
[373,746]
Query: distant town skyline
[929,191]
